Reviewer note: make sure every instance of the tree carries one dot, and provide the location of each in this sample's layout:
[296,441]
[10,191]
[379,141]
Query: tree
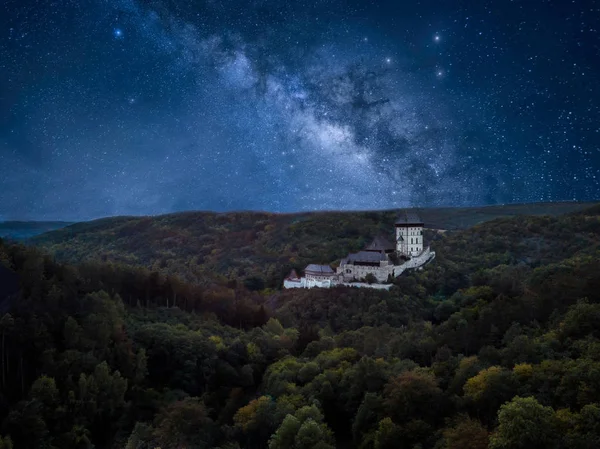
[273,326]
[466,433]
[581,320]
[6,443]
[27,427]
[73,334]
[6,324]
[141,366]
[313,435]
[258,420]
[285,436]
[413,394]
[184,423]
[489,389]
[141,437]
[524,423]
[367,416]
[303,430]
[44,390]
[388,434]
[101,397]
[370,278]
[254,283]
[79,437]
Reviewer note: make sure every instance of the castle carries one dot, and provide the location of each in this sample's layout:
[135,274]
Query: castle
[381,261]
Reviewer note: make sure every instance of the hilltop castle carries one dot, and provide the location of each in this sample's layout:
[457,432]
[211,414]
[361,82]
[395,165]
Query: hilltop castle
[381,261]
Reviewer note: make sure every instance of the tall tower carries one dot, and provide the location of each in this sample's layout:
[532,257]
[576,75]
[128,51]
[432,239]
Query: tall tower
[409,234]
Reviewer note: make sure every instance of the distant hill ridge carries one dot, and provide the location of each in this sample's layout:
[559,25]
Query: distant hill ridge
[207,246]
[22,230]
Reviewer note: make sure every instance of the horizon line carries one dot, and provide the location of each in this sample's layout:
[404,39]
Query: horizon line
[315,211]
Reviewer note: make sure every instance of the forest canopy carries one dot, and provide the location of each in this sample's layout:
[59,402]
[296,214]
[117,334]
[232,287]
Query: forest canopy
[495,344]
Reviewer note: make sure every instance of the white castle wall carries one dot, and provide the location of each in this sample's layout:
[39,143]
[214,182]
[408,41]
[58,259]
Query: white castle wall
[363,285]
[294,284]
[415,262]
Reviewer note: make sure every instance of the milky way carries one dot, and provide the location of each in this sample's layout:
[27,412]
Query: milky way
[144,107]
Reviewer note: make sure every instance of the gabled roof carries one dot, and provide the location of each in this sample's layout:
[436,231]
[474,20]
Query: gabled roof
[293,275]
[318,269]
[379,244]
[364,256]
[408,218]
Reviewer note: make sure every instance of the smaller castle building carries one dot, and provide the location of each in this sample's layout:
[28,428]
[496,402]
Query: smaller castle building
[319,275]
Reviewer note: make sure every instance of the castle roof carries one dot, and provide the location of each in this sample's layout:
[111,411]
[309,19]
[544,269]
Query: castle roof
[406,218]
[379,244]
[318,269]
[293,275]
[364,257]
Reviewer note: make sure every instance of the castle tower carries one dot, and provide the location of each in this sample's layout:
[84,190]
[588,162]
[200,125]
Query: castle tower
[409,234]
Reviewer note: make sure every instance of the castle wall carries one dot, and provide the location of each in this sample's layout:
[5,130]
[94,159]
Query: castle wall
[323,283]
[301,283]
[350,272]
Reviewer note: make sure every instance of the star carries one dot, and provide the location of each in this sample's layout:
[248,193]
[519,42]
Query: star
[326,105]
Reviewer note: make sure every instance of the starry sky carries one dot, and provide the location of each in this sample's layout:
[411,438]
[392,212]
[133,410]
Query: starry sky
[129,107]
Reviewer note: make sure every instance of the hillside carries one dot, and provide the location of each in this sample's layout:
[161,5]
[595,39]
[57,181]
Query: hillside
[495,345]
[203,247]
[23,230]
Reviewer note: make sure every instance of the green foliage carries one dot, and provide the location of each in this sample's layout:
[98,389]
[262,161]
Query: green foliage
[313,435]
[181,352]
[254,283]
[44,390]
[184,423]
[370,278]
[414,394]
[285,436]
[6,443]
[388,434]
[466,433]
[524,423]
[141,437]
[303,430]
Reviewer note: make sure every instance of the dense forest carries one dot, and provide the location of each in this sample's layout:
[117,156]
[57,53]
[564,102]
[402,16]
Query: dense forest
[494,345]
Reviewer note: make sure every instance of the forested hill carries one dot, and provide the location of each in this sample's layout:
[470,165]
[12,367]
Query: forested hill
[204,247]
[494,345]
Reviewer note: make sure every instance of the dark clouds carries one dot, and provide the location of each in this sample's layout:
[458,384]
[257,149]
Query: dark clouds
[142,107]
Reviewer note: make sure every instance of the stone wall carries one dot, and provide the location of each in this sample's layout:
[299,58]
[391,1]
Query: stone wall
[381,272]
[363,285]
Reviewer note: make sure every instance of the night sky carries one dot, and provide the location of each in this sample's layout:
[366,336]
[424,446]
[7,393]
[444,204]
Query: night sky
[131,107]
